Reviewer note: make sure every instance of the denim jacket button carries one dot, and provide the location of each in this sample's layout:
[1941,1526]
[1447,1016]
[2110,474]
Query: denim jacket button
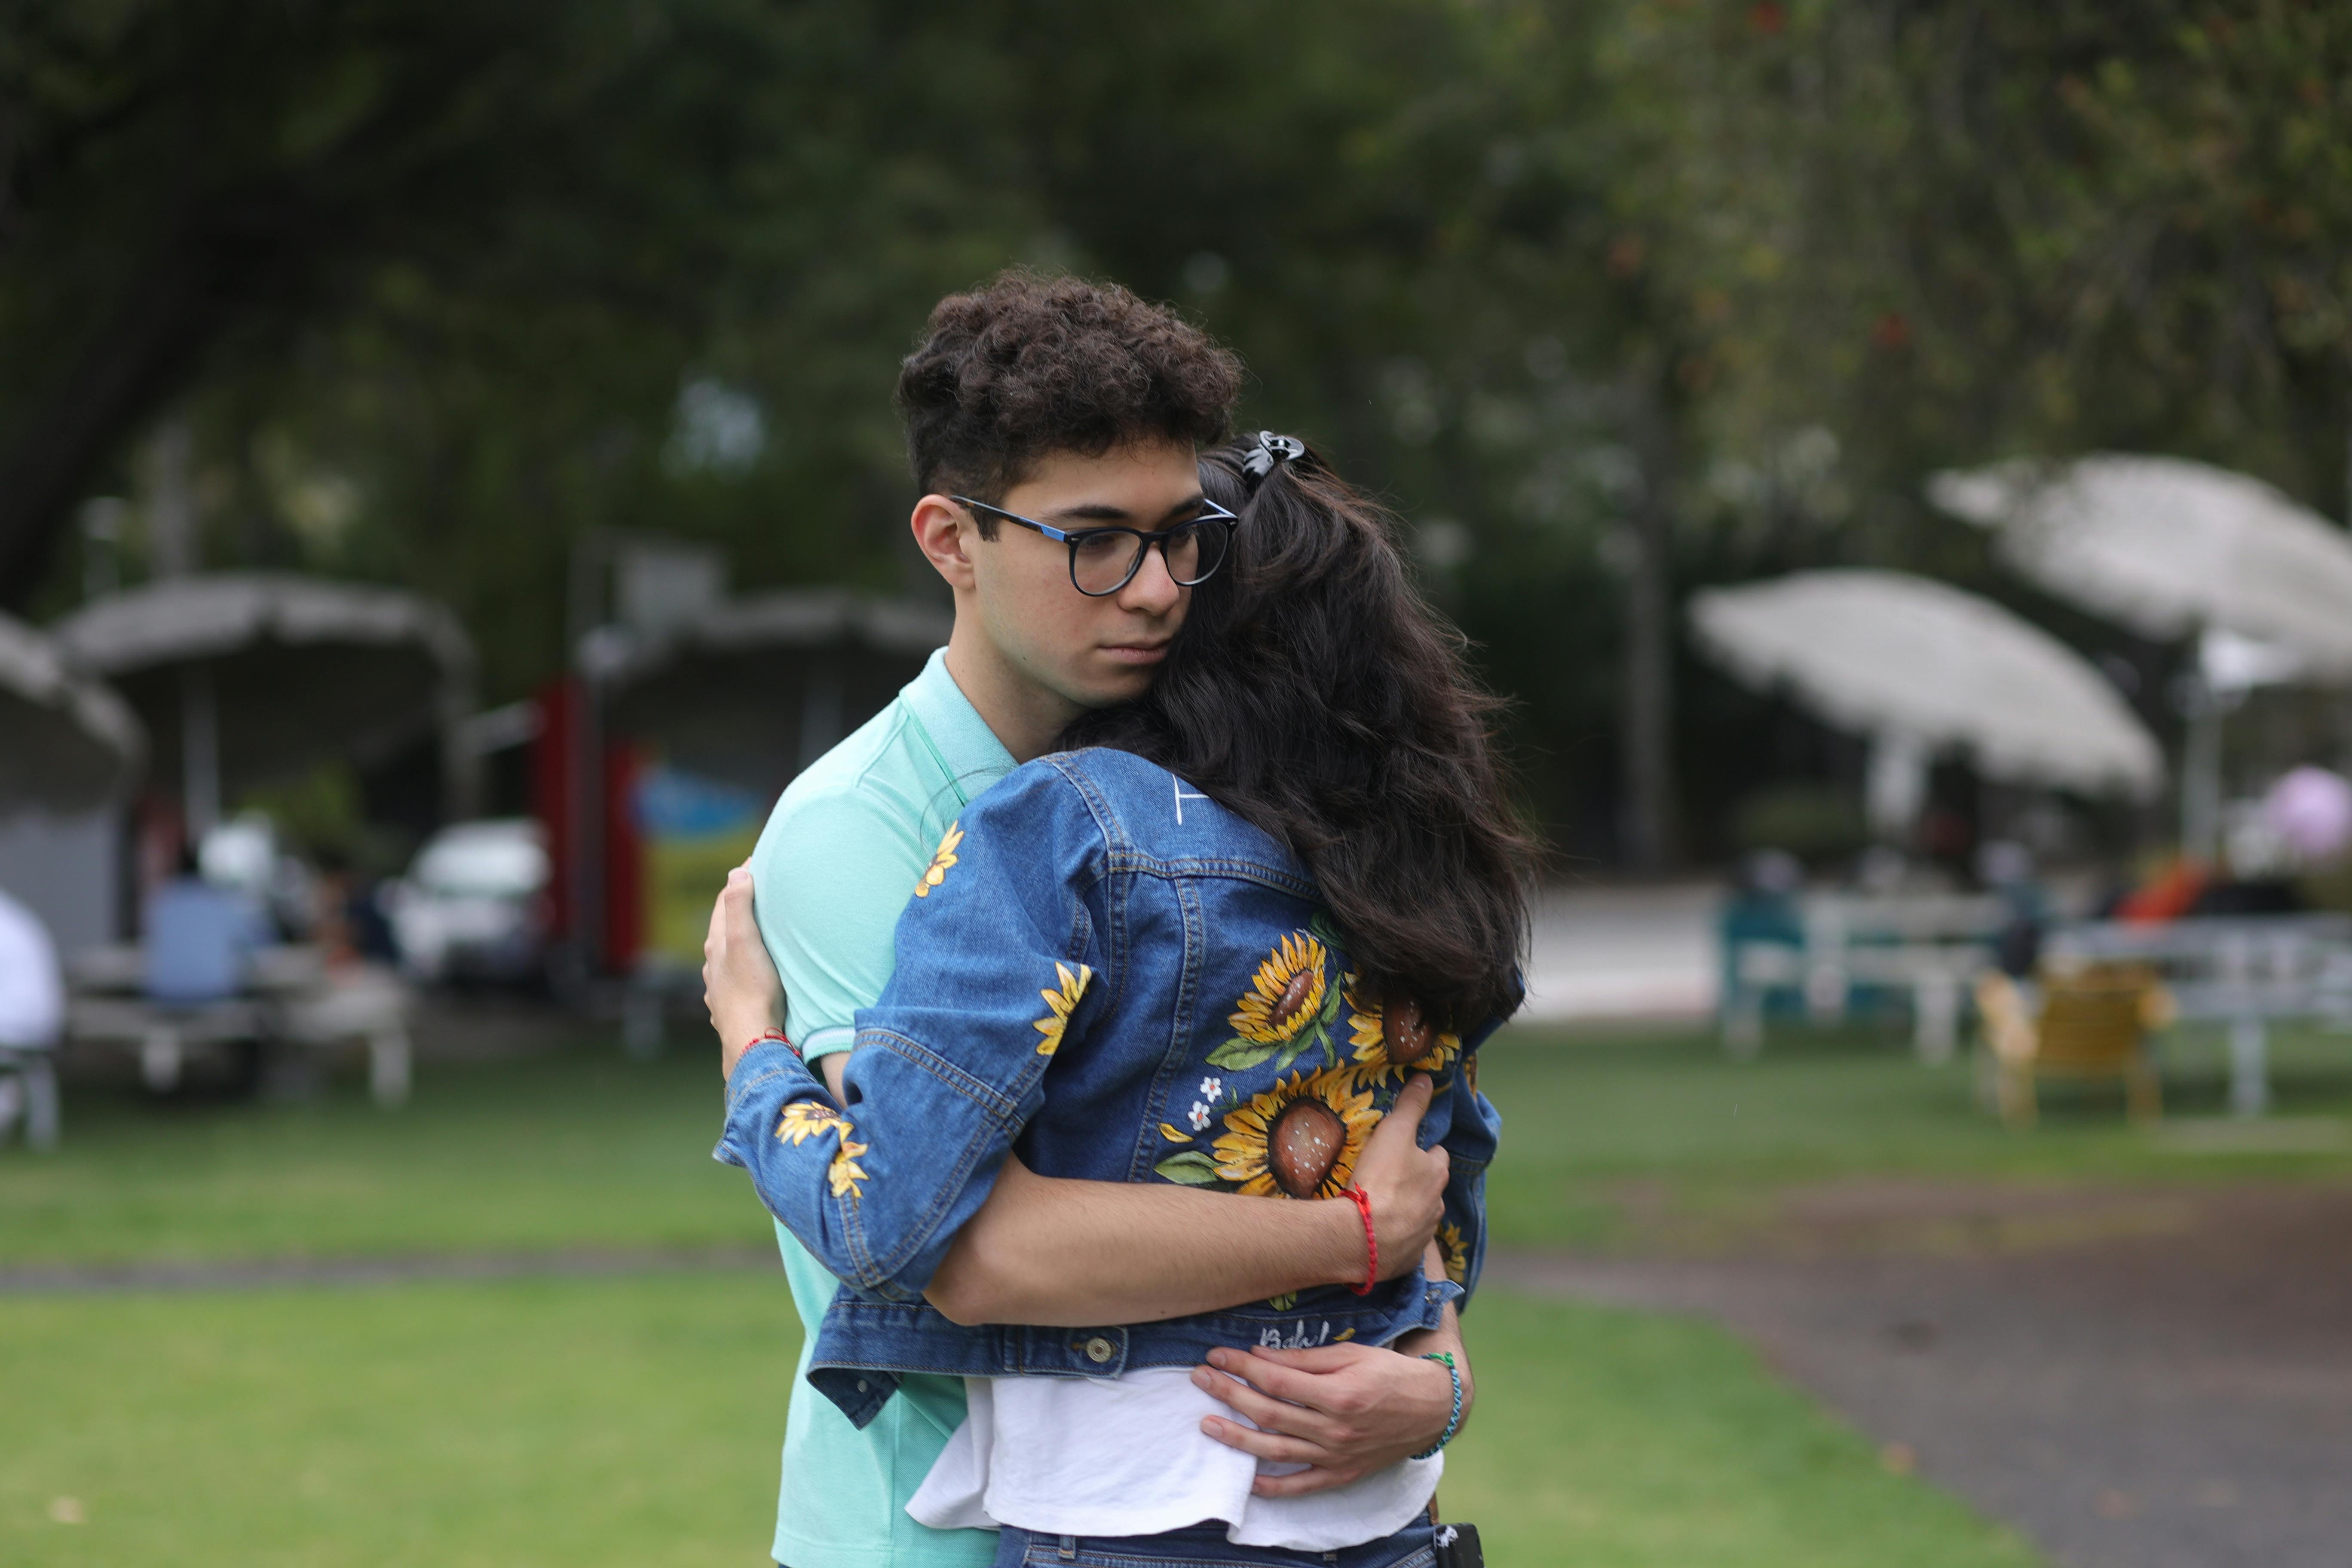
[861,1386]
[1098,1350]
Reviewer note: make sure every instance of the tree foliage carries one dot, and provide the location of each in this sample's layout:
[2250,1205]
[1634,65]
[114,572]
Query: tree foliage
[1609,298]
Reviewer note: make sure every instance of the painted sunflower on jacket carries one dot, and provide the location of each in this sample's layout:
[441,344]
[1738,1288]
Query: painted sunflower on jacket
[1394,1039]
[844,1172]
[1457,1253]
[941,858]
[1299,1139]
[805,1118]
[1287,992]
[1059,1004]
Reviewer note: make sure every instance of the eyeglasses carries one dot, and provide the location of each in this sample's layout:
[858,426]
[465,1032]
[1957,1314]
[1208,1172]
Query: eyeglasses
[1105,559]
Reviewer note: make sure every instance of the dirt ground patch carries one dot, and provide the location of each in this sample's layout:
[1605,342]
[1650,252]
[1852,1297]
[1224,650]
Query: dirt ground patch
[2135,1378]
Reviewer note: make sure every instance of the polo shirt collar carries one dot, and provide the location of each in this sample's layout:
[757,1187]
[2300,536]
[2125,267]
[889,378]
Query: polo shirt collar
[973,756]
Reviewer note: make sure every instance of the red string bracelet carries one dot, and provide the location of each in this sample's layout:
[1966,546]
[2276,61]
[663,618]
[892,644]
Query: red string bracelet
[1371,1242]
[764,1035]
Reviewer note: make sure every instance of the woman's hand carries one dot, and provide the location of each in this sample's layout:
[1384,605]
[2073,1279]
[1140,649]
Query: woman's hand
[1405,1181]
[739,984]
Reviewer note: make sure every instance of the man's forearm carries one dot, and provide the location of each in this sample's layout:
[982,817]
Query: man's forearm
[1070,1254]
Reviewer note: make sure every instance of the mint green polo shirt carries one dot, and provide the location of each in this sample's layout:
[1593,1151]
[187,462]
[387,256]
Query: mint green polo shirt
[836,865]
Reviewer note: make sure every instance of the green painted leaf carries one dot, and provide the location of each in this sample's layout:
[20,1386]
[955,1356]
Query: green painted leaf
[1192,1168]
[1239,1053]
[1331,1003]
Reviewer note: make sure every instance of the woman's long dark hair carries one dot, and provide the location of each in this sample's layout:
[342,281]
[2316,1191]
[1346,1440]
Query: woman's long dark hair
[1314,692]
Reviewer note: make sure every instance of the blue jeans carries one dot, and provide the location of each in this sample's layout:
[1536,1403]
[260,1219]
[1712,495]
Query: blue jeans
[1205,1544]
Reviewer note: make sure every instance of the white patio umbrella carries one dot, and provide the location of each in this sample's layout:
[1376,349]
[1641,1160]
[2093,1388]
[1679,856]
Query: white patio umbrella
[1920,667]
[248,677]
[2169,547]
[67,743]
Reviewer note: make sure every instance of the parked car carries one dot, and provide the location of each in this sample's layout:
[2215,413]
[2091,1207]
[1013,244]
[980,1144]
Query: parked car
[474,905]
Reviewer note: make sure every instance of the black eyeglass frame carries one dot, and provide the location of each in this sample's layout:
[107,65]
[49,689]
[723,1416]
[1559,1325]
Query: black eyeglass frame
[1145,537]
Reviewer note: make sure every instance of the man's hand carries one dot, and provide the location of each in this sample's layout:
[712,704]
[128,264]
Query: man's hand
[1343,1411]
[1405,1181]
[739,984]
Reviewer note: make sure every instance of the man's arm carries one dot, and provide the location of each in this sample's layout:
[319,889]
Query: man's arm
[1048,1251]
[1068,1253]
[1136,1252]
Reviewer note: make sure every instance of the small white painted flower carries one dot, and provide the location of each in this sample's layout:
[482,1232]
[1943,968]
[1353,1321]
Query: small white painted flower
[1198,1116]
[1212,1087]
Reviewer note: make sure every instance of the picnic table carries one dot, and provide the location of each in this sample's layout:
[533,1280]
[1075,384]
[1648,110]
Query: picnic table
[1930,946]
[291,995]
[2243,971]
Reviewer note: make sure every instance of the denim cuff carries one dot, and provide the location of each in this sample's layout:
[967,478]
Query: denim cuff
[757,1069]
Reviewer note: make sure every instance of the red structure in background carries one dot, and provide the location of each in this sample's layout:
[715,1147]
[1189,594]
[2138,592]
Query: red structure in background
[625,860]
[608,865]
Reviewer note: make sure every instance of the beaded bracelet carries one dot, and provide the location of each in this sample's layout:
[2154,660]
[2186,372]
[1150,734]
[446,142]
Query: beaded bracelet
[1453,1422]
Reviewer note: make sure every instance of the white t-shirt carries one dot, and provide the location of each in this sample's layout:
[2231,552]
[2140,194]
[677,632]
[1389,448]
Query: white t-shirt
[1126,1456]
[32,991]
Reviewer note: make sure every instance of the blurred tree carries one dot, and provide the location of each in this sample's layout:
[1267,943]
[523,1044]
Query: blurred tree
[1609,298]
[175,177]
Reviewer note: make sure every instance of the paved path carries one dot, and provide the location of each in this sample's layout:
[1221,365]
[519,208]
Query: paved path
[1615,952]
[2167,1394]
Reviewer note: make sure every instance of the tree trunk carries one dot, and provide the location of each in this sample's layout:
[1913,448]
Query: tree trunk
[1649,841]
[132,368]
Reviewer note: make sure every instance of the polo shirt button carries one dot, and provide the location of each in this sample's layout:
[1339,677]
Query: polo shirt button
[1098,1350]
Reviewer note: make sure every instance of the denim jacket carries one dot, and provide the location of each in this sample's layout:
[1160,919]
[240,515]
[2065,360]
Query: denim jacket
[1107,973]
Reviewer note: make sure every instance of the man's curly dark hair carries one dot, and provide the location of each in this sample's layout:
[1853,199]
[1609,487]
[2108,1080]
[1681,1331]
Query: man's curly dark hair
[1031,364]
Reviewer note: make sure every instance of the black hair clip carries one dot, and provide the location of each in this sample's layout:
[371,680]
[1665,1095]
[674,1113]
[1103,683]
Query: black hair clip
[1270,450]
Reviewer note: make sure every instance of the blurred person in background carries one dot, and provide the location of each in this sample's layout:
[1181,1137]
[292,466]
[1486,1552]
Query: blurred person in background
[32,988]
[32,1006]
[1079,404]
[200,939]
[1762,907]
[2006,868]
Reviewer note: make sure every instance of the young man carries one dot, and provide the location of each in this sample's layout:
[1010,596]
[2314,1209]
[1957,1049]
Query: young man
[1075,406]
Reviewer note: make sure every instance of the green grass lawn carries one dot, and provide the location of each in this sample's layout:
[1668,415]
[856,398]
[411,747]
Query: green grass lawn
[1590,1119]
[533,1422]
[635,1420]
[583,1148]
[580,1149]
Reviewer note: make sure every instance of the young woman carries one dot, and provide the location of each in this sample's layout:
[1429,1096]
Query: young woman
[1213,943]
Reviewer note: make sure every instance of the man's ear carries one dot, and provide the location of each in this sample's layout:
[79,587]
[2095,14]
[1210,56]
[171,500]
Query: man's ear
[943,532]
